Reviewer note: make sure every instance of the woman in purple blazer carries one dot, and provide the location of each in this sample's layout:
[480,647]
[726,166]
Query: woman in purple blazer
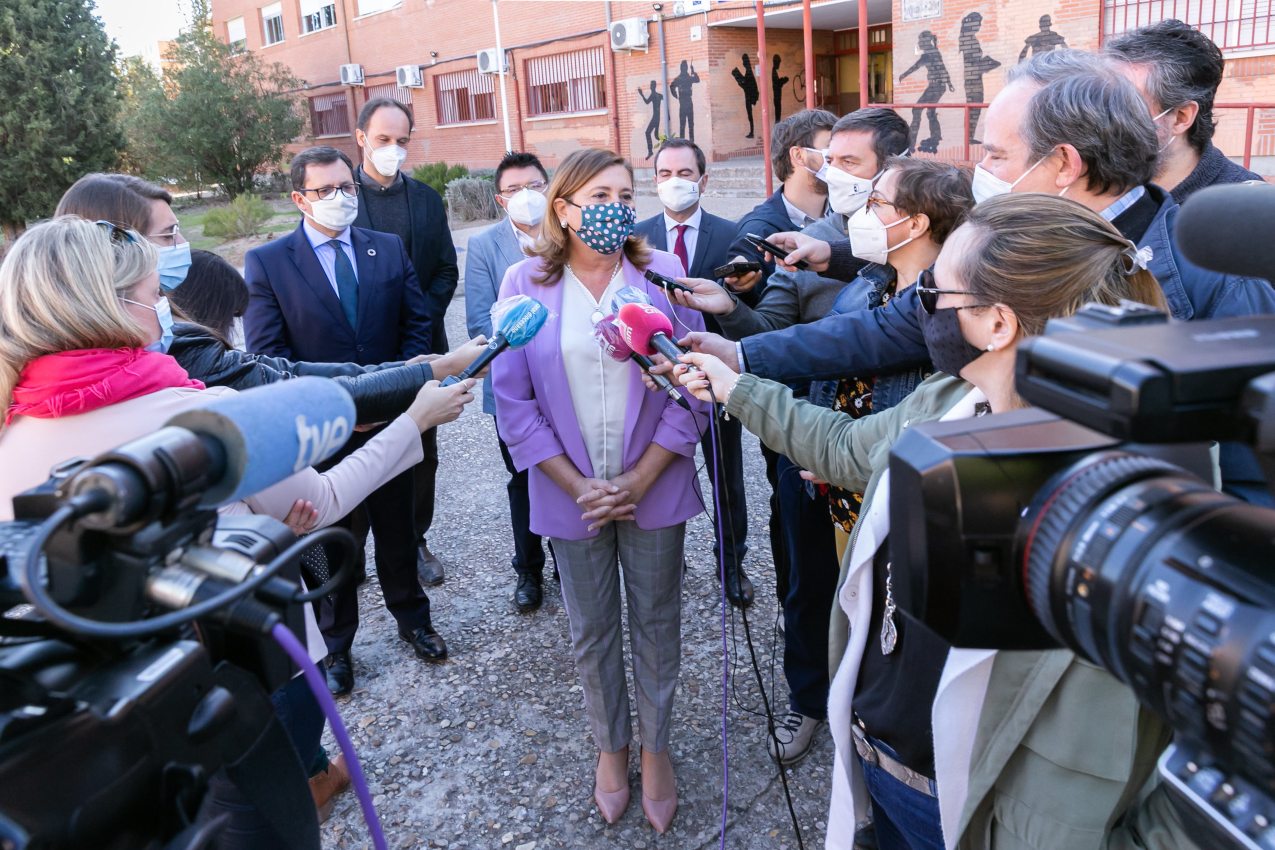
[611,468]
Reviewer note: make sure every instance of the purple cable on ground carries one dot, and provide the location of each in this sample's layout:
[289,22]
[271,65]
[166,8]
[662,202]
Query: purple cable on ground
[721,571]
[297,652]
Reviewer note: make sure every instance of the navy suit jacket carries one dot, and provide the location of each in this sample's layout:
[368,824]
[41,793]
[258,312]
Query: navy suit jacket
[294,312]
[712,247]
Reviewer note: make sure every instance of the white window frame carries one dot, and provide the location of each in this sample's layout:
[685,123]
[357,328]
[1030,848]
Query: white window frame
[269,13]
[313,12]
[237,27]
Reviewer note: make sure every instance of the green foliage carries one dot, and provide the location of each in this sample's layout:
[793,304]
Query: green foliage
[246,215]
[471,199]
[438,174]
[218,117]
[58,116]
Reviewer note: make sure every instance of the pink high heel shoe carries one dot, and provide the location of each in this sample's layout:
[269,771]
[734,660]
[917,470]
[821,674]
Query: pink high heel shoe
[612,804]
[659,812]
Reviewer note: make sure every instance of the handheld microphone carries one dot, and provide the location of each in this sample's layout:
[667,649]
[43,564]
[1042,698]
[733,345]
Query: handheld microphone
[628,295]
[612,341]
[521,321]
[648,331]
[1228,229]
[218,453]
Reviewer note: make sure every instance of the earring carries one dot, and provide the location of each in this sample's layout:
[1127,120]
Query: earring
[562,223]
[991,346]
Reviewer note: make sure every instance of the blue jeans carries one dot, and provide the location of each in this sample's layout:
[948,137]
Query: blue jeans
[905,819]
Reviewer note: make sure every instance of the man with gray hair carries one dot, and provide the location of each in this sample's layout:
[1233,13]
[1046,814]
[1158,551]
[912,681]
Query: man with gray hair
[1177,70]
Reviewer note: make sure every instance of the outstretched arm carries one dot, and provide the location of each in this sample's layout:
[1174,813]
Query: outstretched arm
[915,65]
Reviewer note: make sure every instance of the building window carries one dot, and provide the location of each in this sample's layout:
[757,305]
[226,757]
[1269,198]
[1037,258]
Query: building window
[566,82]
[317,15]
[1230,24]
[272,24]
[328,115]
[367,7]
[464,97]
[236,35]
[394,92]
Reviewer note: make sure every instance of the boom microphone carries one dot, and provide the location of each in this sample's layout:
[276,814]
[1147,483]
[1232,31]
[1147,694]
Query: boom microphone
[522,321]
[1228,229]
[648,331]
[612,341]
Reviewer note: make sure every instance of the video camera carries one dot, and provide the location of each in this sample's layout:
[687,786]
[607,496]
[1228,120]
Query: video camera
[113,716]
[1031,530]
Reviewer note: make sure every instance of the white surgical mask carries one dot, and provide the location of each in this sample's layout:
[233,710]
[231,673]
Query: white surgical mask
[868,238]
[527,207]
[846,193]
[336,213]
[1164,147]
[678,194]
[388,159]
[988,185]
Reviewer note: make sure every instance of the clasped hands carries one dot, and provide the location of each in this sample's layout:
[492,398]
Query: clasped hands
[610,501]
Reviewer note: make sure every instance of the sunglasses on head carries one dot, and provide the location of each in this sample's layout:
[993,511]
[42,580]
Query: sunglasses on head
[119,234]
[929,293]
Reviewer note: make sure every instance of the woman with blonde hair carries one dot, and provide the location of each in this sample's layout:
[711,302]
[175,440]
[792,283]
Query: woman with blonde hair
[944,747]
[612,472]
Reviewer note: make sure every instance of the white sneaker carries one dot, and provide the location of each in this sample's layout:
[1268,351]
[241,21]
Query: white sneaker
[792,738]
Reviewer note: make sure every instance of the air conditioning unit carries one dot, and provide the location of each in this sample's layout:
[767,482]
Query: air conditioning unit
[690,7]
[351,75]
[491,62]
[629,34]
[410,77]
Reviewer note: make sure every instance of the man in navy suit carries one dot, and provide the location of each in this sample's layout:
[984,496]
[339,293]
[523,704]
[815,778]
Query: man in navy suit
[330,292]
[701,241]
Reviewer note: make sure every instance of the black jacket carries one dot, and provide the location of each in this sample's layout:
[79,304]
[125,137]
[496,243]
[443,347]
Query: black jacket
[432,252]
[381,392]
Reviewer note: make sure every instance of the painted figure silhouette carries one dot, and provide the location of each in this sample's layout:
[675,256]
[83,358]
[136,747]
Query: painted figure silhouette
[680,88]
[777,84]
[1043,41]
[653,128]
[937,82]
[748,83]
[976,65]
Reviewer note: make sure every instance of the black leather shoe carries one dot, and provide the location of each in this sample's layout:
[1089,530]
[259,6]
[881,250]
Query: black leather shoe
[340,673]
[739,589]
[428,643]
[428,567]
[528,594]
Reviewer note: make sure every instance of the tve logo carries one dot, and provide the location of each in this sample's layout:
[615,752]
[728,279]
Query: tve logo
[319,441]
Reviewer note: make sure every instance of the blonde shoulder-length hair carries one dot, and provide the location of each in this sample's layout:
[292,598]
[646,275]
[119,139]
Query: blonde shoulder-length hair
[571,176]
[60,288]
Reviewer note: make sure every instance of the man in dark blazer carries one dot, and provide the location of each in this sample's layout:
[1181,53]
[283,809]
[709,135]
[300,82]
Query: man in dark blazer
[392,202]
[330,292]
[702,242]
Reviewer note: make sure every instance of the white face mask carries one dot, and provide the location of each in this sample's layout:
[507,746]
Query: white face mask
[1164,147]
[336,213]
[988,185]
[846,193]
[236,333]
[527,207]
[869,240]
[678,194]
[388,159]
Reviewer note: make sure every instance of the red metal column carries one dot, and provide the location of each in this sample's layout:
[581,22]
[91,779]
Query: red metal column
[808,45]
[863,53]
[764,80]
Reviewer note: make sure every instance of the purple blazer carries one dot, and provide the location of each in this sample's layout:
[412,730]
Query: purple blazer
[537,419]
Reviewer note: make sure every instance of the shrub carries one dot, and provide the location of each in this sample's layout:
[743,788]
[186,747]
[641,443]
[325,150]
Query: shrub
[470,199]
[246,215]
[438,174]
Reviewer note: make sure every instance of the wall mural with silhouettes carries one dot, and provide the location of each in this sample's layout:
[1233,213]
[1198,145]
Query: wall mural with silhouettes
[777,83]
[938,82]
[655,100]
[682,88]
[747,82]
[976,66]
[1043,41]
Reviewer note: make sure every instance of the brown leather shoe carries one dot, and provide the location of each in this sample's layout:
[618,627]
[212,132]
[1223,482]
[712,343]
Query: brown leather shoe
[327,784]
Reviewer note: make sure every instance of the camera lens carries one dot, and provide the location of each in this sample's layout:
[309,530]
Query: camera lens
[1149,572]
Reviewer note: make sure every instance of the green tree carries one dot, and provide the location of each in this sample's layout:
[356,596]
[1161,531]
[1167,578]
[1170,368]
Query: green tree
[148,150]
[226,115]
[58,115]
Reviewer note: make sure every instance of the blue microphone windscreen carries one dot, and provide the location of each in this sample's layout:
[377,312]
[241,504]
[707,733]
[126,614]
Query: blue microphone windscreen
[523,321]
[271,432]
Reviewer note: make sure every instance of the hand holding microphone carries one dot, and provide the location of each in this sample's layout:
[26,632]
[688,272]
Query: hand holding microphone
[609,336]
[437,404]
[522,319]
[704,296]
[648,331]
[710,380]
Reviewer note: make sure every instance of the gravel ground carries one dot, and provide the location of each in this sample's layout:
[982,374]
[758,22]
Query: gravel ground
[491,749]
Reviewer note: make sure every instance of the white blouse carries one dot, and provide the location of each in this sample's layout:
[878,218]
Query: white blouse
[599,385]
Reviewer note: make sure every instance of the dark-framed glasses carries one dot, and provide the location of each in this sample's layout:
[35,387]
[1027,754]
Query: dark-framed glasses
[929,293]
[327,193]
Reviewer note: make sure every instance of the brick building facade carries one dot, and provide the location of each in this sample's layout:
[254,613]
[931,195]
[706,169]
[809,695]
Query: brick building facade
[565,87]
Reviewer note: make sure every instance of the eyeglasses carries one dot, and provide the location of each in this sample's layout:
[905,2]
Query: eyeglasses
[119,234]
[534,185]
[167,238]
[327,193]
[875,200]
[929,293]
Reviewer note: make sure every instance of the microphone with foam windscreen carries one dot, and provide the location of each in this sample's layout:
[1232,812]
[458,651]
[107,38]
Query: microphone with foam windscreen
[611,339]
[523,318]
[1228,229]
[648,331]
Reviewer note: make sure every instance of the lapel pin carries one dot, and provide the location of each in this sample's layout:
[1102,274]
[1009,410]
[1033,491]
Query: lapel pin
[371,252]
